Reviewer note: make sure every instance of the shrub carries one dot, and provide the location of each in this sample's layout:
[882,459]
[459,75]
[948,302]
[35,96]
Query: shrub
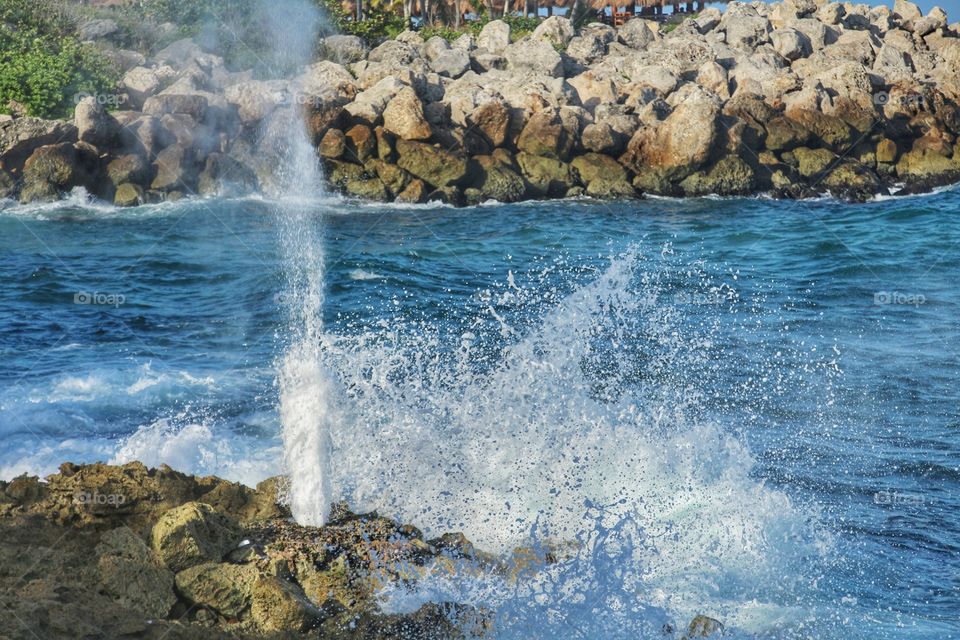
[43,69]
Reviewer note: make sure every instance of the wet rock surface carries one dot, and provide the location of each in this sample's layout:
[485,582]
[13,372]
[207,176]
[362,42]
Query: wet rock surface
[99,551]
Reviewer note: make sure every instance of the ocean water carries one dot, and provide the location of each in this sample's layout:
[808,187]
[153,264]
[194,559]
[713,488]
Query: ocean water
[737,407]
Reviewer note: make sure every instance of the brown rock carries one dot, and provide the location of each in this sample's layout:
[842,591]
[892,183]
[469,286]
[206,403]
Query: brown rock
[361,143]
[404,116]
[333,144]
[415,193]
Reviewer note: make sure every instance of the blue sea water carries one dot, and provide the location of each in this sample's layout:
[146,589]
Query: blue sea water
[738,407]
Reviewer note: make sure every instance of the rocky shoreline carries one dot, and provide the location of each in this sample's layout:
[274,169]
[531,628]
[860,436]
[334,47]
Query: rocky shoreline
[99,551]
[794,99]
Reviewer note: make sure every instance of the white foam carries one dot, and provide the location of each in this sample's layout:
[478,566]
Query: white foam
[589,406]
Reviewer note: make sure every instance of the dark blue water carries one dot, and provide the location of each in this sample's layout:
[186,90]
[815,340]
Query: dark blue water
[771,387]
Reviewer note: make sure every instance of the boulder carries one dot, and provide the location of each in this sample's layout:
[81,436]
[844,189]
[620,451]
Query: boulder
[451,63]
[129,195]
[256,99]
[394,53]
[703,627]
[97,29]
[223,175]
[745,28]
[600,137]
[21,137]
[415,193]
[492,119]
[556,30]
[497,179]
[545,135]
[603,176]
[94,124]
[131,574]
[369,105]
[907,12]
[831,13]
[141,83]
[342,49]
[192,534]
[194,106]
[535,57]
[679,145]
[434,165]
[323,82]
[225,588]
[57,168]
[791,43]
[494,37]
[403,116]
[361,143]
[728,176]
[132,167]
[280,605]
[547,177]
[638,34]
[333,144]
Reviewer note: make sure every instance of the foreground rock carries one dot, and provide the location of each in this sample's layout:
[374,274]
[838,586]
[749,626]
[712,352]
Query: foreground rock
[796,99]
[100,551]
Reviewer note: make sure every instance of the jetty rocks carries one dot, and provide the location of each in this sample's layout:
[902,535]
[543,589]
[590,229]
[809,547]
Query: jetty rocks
[795,99]
[100,551]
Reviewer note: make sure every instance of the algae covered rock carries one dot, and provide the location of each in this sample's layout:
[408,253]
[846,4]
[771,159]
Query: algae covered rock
[225,588]
[128,195]
[603,176]
[497,179]
[280,605]
[728,176]
[191,534]
[432,164]
[133,575]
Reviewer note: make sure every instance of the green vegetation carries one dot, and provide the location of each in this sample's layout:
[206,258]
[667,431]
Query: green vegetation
[676,21]
[42,67]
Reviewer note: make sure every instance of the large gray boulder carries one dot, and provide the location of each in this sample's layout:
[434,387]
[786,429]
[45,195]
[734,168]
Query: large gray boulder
[20,137]
[638,34]
[451,63]
[140,83]
[369,105]
[343,49]
[790,43]
[94,124]
[745,28]
[534,56]
[256,99]
[494,37]
[556,29]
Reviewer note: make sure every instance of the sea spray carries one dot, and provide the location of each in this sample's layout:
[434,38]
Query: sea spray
[509,425]
[306,397]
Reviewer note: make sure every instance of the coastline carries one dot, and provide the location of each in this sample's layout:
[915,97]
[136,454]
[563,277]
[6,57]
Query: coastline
[793,99]
[109,551]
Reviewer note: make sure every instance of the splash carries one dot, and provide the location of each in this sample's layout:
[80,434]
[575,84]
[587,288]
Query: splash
[552,401]
[306,398]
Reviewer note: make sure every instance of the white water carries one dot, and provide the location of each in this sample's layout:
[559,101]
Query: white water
[575,428]
[307,401]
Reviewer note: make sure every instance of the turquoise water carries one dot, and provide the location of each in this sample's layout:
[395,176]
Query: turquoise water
[739,407]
